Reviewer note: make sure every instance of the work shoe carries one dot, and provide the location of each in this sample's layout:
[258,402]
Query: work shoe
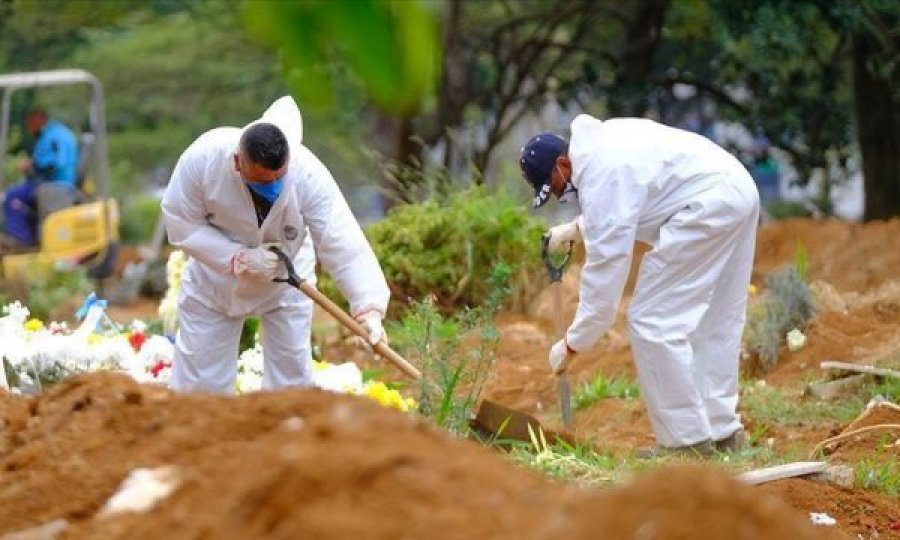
[734,443]
[701,449]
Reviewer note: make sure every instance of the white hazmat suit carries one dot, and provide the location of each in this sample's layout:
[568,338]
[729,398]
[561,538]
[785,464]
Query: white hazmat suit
[698,208]
[210,215]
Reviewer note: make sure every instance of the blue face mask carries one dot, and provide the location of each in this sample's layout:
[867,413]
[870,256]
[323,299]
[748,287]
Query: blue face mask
[268,191]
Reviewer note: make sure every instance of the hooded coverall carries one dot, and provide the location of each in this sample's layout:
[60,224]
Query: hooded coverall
[698,208]
[210,215]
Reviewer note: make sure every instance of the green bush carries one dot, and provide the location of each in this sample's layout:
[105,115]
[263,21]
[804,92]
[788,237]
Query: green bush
[787,209]
[446,248]
[139,219]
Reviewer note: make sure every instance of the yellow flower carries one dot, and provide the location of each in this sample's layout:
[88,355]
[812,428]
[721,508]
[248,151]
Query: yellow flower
[752,290]
[388,397]
[33,325]
[94,339]
[320,366]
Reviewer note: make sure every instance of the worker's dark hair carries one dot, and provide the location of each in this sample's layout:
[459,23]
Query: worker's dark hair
[37,111]
[265,145]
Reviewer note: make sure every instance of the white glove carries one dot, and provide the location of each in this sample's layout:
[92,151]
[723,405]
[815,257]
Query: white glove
[258,261]
[561,235]
[371,321]
[559,356]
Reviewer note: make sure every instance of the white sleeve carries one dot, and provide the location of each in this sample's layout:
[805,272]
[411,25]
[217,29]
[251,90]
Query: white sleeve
[340,244]
[611,203]
[185,213]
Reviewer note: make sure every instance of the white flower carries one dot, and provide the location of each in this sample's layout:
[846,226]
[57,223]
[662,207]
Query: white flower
[16,311]
[248,381]
[138,326]
[345,378]
[795,340]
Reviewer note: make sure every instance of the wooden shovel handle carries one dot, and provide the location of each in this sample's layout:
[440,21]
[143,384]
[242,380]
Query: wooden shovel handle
[351,324]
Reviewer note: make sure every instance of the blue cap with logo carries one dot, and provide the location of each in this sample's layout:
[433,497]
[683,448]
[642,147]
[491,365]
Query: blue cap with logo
[537,161]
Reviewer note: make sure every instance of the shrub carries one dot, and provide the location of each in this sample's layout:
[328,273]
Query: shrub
[453,372]
[445,249]
[788,304]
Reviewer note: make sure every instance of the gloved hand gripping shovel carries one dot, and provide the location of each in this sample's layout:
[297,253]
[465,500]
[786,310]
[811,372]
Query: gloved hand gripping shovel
[556,273]
[342,317]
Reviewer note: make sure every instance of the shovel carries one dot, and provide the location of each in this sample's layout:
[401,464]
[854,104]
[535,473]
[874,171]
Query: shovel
[556,272]
[342,317]
[509,424]
[492,419]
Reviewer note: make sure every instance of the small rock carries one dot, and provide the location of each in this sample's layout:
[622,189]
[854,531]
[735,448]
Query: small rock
[822,518]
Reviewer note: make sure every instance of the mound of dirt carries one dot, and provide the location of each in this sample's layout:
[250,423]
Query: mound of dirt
[306,463]
[863,514]
[851,256]
[864,334]
[878,444]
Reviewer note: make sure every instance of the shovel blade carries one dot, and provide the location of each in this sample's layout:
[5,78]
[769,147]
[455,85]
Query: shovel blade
[504,423]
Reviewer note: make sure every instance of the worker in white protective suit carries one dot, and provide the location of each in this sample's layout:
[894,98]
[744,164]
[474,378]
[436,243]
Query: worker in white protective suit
[233,194]
[697,206]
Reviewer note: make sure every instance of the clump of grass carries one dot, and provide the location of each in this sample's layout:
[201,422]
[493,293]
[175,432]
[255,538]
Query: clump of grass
[879,475]
[602,387]
[788,304]
[581,464]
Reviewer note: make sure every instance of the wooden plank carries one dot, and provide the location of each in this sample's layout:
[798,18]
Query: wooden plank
[780,472]
[858,368]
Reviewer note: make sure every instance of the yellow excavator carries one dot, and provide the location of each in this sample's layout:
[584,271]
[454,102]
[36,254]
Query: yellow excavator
[79,228]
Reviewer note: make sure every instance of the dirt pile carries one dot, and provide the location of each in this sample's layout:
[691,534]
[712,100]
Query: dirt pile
[879,445]
[851,256]
[866,333]
[311,464]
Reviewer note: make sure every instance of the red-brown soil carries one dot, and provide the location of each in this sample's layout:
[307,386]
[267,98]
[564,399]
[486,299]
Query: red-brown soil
[310,464]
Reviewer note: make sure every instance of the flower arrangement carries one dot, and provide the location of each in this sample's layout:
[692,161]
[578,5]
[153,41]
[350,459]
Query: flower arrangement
[35,354]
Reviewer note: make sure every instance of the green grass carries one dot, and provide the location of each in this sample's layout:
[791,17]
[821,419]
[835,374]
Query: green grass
[602,387]
[879,476]
[580,464]
[789,407]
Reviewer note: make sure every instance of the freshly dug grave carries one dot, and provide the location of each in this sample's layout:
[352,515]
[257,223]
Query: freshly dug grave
[859,512]
[307,463]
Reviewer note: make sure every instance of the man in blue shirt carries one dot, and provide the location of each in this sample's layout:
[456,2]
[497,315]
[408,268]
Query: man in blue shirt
[54,158]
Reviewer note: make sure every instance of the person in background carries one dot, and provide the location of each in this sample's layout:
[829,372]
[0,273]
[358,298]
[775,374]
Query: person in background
[54,158]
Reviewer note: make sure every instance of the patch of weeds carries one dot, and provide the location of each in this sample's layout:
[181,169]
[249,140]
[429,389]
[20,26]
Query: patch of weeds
[602,387]
[888,388]
[772,405]
[581,464]
[788,304]
[879,475]
[453,378]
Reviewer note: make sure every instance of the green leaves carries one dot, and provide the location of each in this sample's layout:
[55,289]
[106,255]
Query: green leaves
[391,45]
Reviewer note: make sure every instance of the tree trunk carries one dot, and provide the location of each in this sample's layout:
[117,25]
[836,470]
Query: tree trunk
[878,126]
[642,37]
